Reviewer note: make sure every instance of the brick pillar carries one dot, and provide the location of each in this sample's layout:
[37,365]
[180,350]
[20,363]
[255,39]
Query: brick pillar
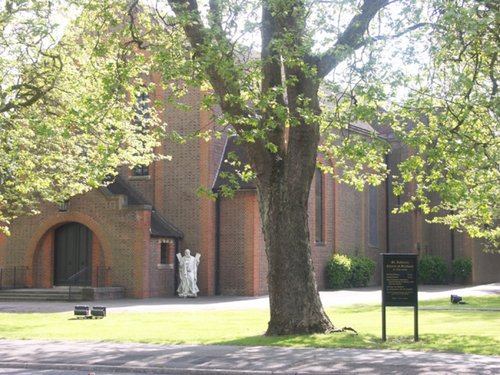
[142,252]
[206,271]
[42,266]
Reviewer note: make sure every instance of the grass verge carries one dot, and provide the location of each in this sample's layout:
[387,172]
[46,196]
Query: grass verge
[454,330]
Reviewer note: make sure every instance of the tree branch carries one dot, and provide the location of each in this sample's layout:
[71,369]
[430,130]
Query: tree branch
[492,73]
[271,65]
[215,16]
[131,12]
[194,29]
[400,34]
[218,63]
[352,37]
[31,89]
[28,94]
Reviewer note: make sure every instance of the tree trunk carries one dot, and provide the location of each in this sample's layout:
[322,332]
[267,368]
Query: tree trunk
[294,299]
[283,188]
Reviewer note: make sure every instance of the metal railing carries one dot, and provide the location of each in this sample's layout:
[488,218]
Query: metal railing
[73,279]
[13,277]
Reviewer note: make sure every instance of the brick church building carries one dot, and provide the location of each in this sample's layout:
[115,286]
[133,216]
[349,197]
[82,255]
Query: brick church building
[127,234]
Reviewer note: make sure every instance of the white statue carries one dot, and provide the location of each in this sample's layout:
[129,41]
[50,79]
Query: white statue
[188,269]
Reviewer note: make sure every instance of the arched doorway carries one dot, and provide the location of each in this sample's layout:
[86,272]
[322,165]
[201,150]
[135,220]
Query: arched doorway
[72,255]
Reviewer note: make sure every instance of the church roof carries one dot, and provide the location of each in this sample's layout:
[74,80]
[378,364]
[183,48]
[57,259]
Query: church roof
[235,148]
[225,167]
[160,226]
[120,187]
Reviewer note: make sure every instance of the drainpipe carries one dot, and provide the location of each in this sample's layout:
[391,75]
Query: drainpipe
[452,238]
[176,266]
[217,245]
[452,242]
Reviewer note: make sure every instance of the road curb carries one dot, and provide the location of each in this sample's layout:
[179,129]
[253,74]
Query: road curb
[148,370]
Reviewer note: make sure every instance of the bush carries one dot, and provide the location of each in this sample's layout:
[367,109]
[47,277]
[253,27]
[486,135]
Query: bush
[344,272]
[461,269]
[338,270]
[362,269]
[432,270]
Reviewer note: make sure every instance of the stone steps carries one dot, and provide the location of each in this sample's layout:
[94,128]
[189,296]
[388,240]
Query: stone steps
[38,294]
[62,293]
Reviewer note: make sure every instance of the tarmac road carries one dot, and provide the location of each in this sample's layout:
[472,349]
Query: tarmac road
[23,357]
[52,357]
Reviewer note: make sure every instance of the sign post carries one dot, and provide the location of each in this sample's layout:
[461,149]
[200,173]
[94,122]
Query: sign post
[399,285]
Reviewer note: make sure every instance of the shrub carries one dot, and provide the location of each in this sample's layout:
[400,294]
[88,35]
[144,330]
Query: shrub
[343,271]
[432,270]
[362,269]
[461,269]
[338,270]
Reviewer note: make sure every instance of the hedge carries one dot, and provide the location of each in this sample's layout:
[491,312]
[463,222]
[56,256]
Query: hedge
[461,268]
[344,272]
[432,270]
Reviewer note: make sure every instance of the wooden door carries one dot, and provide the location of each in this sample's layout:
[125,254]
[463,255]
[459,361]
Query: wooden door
[72,255]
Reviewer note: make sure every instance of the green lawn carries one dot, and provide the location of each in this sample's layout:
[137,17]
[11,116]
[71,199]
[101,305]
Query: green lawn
[492,301]
[456,330]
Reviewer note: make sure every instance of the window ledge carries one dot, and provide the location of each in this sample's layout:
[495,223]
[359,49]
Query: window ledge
[161,266]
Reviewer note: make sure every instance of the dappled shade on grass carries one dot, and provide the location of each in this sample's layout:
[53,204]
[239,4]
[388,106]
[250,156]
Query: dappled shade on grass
[466,331]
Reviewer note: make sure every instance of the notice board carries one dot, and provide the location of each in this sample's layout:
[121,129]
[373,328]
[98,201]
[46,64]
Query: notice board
[399,285]
[399,280]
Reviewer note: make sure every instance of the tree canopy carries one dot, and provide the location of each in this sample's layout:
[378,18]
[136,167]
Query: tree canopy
[455,107]
[49,82]
[67,112]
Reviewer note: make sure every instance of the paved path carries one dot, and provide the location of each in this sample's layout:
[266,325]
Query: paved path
[329,298]
[36,357]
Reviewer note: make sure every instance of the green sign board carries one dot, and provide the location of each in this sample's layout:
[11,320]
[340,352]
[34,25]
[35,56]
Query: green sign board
[399,280]
[399,285]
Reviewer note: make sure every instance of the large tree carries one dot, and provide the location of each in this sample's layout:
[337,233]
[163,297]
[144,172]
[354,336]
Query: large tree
[271,102]
[284,72]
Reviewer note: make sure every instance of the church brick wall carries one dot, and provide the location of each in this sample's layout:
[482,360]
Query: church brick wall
[239,269]
[114,229]
[131,257]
